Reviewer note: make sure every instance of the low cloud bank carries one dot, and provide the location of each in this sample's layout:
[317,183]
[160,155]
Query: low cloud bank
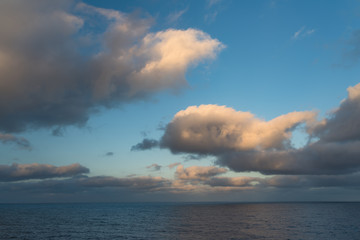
[17,172]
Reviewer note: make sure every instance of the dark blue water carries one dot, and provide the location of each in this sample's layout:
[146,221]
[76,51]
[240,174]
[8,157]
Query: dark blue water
[180,221]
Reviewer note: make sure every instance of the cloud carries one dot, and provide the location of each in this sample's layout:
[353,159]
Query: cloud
[195,182]
[146,144]
[198,172]
[316,158]
[175,16]
[154,167]
[19,141]
[348,180]
[213,2]
[205,179]
[109,154]
[243,143]
[83,188]
[296,34]
[17,172]
[72,60]
[212,129]
[152,183]
[194,157]
[302,32]
[171,166]
[233,181]
[336,150]
[213,7]
[343,124]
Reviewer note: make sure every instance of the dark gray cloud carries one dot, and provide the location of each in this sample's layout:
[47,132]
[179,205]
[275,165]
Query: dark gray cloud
[194,157]
[233,181]
[323,181]
[109,154]
[17,172]
[61,61]
[343,125]
[154,167]
[316,158]
[85,189]
[146,144]
[58,132]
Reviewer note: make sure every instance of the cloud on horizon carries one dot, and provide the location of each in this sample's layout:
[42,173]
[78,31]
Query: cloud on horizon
[19,172]
[192,182]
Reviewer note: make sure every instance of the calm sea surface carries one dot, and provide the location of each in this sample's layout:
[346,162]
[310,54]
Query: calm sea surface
[180,221]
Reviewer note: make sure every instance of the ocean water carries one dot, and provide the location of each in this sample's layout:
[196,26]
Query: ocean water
[180,221]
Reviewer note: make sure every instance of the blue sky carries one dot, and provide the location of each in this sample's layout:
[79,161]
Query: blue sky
[267,58]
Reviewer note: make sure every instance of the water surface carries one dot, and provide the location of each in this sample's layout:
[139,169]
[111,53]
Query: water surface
[180,221]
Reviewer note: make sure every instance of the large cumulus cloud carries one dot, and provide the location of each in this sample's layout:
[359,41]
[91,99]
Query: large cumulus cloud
[244,143]
[213,129]
[60,61]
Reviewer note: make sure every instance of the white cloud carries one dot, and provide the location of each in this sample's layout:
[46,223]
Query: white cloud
[303,32]
[209,129]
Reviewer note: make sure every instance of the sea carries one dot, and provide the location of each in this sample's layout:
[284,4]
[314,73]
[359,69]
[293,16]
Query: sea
[180,221]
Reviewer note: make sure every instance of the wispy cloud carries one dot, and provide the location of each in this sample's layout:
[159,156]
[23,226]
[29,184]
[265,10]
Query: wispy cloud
[175,16]
[211,3]
[213,8]
[302,32]
[18,141]
[171,166]
[154,167]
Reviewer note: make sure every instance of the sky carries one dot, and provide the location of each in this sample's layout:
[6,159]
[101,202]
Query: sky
[213,100]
